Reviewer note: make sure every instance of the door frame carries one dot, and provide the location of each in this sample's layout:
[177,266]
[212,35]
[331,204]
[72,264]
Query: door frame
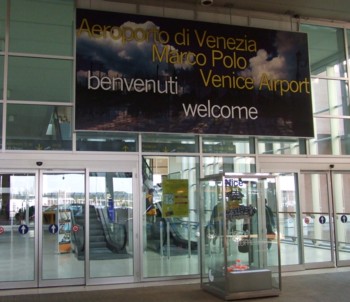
[332,262]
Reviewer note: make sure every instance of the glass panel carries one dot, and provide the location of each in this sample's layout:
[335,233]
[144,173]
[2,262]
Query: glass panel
[63,197]
[17,225]
[326,50]
[1,106]
[42,80]
[94,141]
[169,143]
[330,97]
[170,216]
[2,24]
[216,165]
[215,144]
[31,127]
[240,235]
[289,219]
[315,218]
[1,77]
[332,137]
[111,220]
[35,29]
[348,38]
[341,193]
[281,146]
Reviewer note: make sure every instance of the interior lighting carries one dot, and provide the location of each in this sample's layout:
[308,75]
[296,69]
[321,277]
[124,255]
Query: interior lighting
[207,2]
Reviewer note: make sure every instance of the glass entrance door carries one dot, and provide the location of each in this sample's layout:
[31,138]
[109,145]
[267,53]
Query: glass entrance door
[325,218]
[18,230]
[62,203]
[75,227]
[341,216]
[110,227]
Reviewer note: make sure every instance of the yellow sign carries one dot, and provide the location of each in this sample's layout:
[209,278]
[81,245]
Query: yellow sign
[175,198]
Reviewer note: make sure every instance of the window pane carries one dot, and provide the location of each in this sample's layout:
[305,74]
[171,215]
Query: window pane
[31,127]
[42,80]
[348,38]
[282,146]
[94,141]
[1,77]
[170,211]
[330,97]
[326,49]
[332,137]
[2,24]
[231,145]
[1,126]
[169,143]
[34,28]
[217,165]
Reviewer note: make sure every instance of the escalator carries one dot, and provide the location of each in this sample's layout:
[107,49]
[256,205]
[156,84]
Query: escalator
[166,234]
[181,234]
[107,239]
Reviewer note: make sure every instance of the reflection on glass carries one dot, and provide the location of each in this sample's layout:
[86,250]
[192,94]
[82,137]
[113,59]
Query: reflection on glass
[2,27]
[61,202]
[215,144]
[340,182]
[315,218]
[111,220]
[170,216]
[281,146]
[32,127]
[348,39]
[330,97]
[332,137]
[288,219]
[239,250]
[35,29]
[17,222]
[326,49]
[41,80]
[1,75]
[169,143]
[94,141]
[216,165]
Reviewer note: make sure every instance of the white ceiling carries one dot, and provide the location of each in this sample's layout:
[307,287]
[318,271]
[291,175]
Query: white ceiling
[321,9]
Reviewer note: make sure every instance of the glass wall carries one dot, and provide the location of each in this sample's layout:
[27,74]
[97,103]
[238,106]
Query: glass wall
[39,71]
[288,217]
[216,164]
[169,143]
[2,26]
[97,141]
[40,80]
[330,90]
[35,29]
[282,146]
[33,127]
[228,144]
[170,216]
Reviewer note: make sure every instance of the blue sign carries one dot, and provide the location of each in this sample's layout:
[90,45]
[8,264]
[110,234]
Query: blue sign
[322,220]
[23,229]
[344,218]
[53,228]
